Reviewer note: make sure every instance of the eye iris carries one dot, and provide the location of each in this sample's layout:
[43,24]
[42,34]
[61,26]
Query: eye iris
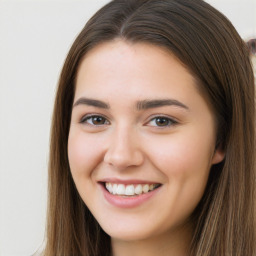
[160,121]
[98,120]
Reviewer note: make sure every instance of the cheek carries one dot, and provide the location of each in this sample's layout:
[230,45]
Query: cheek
[186,166]
[185,161]
[84,153]
[180,155]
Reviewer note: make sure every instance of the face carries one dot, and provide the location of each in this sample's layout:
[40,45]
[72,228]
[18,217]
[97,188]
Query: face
[141,141]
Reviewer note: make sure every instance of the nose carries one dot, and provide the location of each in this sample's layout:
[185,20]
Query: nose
[124,150]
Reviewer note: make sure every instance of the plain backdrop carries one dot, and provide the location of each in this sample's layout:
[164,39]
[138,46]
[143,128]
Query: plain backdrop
[35,37]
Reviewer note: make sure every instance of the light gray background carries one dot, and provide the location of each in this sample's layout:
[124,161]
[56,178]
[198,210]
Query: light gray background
[34,39]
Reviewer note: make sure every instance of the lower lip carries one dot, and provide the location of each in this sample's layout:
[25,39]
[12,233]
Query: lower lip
[128,202]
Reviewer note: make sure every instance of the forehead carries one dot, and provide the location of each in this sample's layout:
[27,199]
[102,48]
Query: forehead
[130,66]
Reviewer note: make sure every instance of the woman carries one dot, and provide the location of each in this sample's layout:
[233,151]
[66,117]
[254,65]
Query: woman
[152,145]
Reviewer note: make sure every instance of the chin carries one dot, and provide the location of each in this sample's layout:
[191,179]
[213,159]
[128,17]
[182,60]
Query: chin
[130,236]
[122,232]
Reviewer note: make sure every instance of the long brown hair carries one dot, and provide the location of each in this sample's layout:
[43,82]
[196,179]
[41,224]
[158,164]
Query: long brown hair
[211,49]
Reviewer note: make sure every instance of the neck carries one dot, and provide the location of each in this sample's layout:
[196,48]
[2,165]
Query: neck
[169,244]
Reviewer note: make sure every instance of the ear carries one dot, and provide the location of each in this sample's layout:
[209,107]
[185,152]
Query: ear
[218,156]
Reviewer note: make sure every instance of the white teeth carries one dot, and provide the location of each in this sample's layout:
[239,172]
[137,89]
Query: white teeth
[138,189]
[114,189]
[129,190]
[120,189]
[109,187]
[145,188]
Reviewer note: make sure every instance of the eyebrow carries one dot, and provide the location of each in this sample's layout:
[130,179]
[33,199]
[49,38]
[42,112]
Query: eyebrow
[91,102]
[147,104]
[141,105]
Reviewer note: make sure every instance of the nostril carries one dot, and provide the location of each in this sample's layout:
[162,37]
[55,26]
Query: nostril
[122,159]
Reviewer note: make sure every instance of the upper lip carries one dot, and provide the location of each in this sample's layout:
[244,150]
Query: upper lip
[127,181]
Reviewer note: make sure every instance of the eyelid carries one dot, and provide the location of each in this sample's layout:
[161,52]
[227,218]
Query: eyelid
[91,115]
[173,120]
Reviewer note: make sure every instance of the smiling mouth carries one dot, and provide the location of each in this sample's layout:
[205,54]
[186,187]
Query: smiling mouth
[130,189]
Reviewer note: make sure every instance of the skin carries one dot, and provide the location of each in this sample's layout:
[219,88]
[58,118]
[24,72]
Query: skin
[130,143]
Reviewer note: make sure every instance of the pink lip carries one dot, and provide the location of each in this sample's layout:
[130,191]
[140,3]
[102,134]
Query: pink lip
[127,202]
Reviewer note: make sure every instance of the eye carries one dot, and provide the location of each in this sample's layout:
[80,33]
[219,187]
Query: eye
[161,121]
[95,120]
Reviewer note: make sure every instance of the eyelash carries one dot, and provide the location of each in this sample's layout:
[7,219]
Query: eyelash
[170,121]
[85,119]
